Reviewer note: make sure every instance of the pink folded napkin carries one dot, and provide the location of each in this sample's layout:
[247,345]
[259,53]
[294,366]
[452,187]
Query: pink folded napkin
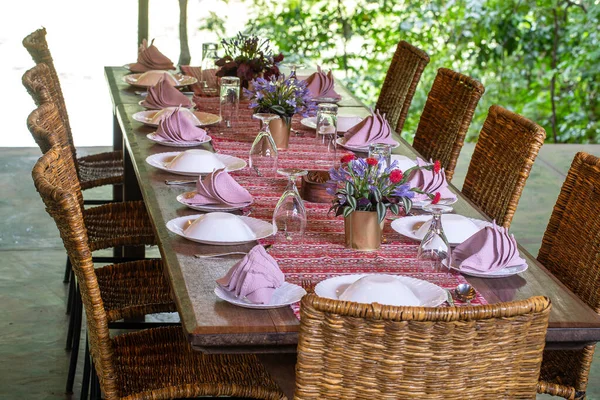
[320,85]
[219,187]
[149,58]
[373,129]
[163,94]
[255,277]
[430,181]
[177,128]
[488,250]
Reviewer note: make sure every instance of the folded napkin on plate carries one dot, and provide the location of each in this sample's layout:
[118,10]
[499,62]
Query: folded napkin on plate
[373,129]
[429,181]
[488,250]
[177,128]
[150,58]
[219,187]
[163,94]
[255,277]
[321,85]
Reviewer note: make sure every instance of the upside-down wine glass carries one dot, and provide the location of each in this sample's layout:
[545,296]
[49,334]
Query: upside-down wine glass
[263,154]
[435,246]
[290,214]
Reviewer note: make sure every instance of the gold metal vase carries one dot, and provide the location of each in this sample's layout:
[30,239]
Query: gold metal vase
[280,131]
[363,231]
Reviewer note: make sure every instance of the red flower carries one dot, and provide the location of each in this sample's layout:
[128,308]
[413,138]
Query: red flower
[437,166]
[372,161]
[347,158]
[396,176]
[436,198]
[278,58]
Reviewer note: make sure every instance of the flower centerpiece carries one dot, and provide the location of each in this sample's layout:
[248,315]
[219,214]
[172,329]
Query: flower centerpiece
[365,191]
[248,57]
[284,97]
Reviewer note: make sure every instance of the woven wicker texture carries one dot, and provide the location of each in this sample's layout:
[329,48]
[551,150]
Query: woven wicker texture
[96,170]
[571,251]
[108,225]
[358,351]
[400,83]
[446,118]
[151,364]
[506,149]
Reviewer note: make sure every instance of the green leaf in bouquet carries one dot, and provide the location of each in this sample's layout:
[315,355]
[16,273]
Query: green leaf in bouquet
[348,211]
[394,208]
[381,210]
[351,202]
[349,188]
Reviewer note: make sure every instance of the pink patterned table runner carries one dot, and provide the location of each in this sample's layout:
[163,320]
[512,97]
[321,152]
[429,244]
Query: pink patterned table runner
[321,253]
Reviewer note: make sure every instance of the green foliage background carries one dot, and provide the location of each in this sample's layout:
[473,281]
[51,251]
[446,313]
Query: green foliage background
[526,53]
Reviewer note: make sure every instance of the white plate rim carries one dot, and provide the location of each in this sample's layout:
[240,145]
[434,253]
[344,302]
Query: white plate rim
[226,296]
[182,80]
[152,137]
[399,221]
[210,207]
[501,273]
[360,149]
[157,161]
[440,298]
[140,116]
[174,225]
[158,109]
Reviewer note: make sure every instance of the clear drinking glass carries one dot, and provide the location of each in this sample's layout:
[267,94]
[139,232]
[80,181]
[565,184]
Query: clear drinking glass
[263,154]
[381,152]
[435,246]
[327,133]
[209,68]
[230,100]
[290,214]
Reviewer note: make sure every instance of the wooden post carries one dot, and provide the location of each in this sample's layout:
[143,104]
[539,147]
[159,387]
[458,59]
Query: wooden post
[142,20]
[184,49]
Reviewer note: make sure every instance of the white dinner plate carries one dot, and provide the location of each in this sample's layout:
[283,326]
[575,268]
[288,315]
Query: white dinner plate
[285,295]
[208,207]
[145,117]
[160,140]
[403,162]
[311,122]
[341,141]
[501,273]
[429,295]
[327,99]
[182,80]
[408,226]
[148,108]
[159,161]
[261,229]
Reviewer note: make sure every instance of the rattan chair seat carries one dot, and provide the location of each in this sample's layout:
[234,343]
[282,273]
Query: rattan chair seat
[101,169]
[118,224]
[97,170]
[160,364]
[134,289]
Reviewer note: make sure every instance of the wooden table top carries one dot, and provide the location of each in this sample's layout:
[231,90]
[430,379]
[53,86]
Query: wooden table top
[216,326]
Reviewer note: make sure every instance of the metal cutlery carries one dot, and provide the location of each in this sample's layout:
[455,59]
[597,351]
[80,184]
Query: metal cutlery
[144,93]
[230,253]
[465,292]
[450,299]
[180,182]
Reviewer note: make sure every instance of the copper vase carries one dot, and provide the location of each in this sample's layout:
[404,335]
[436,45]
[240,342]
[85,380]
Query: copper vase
[363,230]
[280,131]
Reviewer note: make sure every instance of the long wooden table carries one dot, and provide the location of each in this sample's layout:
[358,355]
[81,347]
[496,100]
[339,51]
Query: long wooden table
[214,326]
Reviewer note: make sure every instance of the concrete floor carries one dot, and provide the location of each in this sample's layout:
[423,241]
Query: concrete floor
[33,332]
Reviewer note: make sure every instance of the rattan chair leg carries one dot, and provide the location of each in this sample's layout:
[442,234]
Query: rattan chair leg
[78,311]
[85,379]
[68,271]
[72,314]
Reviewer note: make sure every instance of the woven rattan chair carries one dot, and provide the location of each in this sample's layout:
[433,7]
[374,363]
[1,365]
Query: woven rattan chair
[446,118]
[400,83]
[94,170]
[358,351]
[570,250]
[155,363]
[506,149]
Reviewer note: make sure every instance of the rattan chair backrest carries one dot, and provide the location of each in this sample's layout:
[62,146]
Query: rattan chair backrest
[506,149]
[52,175]
[571,245]
[400,83]
[35,43]
[368,351]
[446,118]
[47,129]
